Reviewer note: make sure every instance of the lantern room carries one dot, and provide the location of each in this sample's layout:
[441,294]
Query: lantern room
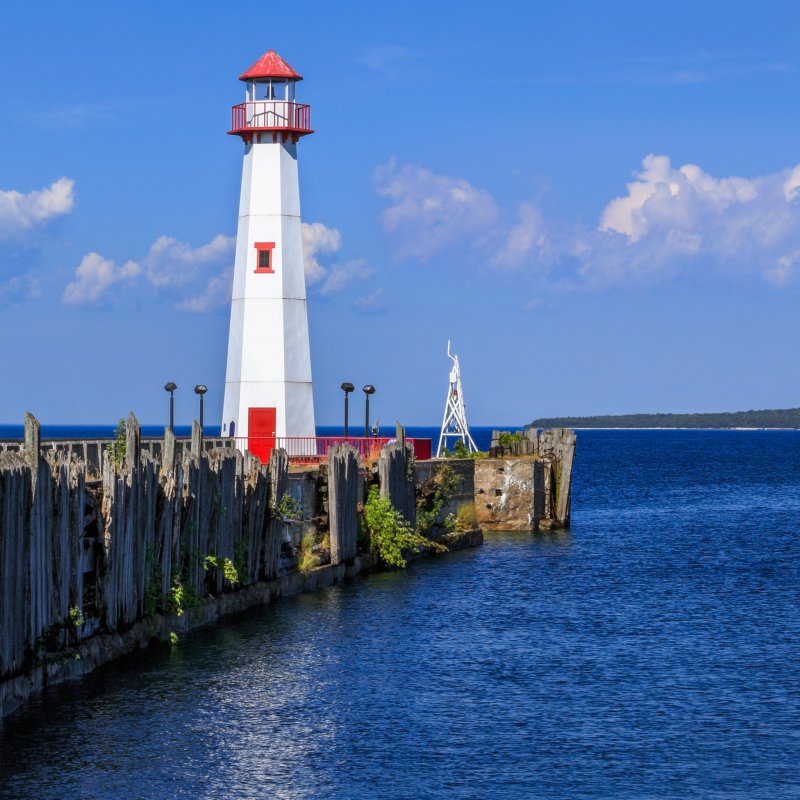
[270,104]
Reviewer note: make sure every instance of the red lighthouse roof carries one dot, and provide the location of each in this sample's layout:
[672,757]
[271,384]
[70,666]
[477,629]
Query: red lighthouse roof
[270,65]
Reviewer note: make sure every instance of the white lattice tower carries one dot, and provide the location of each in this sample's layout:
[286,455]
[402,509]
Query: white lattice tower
[454,422]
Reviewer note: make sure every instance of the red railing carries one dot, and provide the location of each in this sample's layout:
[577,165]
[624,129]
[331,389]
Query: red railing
[314,449]
[271,115]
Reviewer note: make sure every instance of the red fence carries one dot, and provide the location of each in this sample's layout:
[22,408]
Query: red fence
[271,115]
[313,449]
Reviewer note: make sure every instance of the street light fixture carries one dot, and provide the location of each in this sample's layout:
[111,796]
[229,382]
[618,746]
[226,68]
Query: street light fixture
[171,387]
[346,388]
[201,390]
[368,390]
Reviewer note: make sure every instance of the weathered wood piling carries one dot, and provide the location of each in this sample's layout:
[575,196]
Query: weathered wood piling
[166,535]
[345,492]
[396,476]
[101,560]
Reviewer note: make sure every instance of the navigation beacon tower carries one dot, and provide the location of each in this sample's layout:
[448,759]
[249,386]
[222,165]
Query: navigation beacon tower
[268,390]
[454,422]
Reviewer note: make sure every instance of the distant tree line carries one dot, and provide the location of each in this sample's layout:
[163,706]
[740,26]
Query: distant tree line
[768,418]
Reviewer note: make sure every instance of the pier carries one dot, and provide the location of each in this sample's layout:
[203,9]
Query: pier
[167,535]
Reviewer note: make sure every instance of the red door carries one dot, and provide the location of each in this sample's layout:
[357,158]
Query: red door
[261,432]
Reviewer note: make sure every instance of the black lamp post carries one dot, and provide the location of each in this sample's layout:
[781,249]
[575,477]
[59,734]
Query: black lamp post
[171,387]
[346,388]
[201,390]
[368,390]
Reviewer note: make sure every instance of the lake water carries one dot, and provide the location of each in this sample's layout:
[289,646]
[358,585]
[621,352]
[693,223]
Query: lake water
[651,652]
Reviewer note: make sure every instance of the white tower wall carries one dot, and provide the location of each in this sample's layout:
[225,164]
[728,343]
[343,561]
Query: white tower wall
[269,362]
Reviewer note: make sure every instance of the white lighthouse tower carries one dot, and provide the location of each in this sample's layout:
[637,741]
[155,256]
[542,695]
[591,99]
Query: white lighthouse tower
[268,390]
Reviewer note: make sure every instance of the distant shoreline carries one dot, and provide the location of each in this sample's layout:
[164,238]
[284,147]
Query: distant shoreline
[762,419]
[631,428]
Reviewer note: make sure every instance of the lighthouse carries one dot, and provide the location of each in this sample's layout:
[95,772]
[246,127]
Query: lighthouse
[268,390]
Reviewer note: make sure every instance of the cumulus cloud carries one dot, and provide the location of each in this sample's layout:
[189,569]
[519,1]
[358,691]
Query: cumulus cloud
[199,278]
[20,212]
[671,217]
[217,294]
[94,276]
[318,240]
[347,273]
[669,220]
[676,199]
[526,238]
[430,212]
[169,265]
[170,262]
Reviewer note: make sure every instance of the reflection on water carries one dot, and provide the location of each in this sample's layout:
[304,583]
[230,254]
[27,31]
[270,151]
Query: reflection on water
[651,652]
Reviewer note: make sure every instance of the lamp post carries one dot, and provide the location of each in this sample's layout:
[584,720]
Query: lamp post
[346,388]
[171,387]
[368,390]
[201,390]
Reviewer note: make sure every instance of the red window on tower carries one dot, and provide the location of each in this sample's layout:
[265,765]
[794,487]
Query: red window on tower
[264,256]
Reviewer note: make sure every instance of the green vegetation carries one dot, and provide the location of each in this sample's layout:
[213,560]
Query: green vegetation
[229,571]
[460,450]
[178,600]
[288,508]
[118,447]
[466,517]
[174,639]
[391,537]
[308,559]
[181,598]
[767,418]
[430,501]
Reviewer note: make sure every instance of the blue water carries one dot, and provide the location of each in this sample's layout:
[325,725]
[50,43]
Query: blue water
[651,652]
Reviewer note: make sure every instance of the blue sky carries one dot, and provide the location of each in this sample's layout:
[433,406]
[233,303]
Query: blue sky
[599,203]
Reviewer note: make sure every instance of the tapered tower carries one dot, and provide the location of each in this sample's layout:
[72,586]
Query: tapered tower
[268,390]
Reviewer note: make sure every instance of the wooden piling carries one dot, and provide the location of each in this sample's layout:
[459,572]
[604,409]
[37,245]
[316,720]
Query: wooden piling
[397,479]
[278,477]
[344,482]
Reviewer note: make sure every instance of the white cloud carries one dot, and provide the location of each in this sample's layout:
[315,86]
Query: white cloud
[199,278]
[670,220]
[170,262]
[783,271]
[20,287]
[20,212]
[674,198]
[791,186]
[217,294]
[169,265]
[94,276]
[528,236]
[430,212]
[317,240]
[341,276]
[370,302]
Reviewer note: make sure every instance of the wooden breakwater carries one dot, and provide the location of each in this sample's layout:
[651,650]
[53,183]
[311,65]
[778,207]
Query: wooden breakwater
[94,567]
[166,537]
[80,557]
